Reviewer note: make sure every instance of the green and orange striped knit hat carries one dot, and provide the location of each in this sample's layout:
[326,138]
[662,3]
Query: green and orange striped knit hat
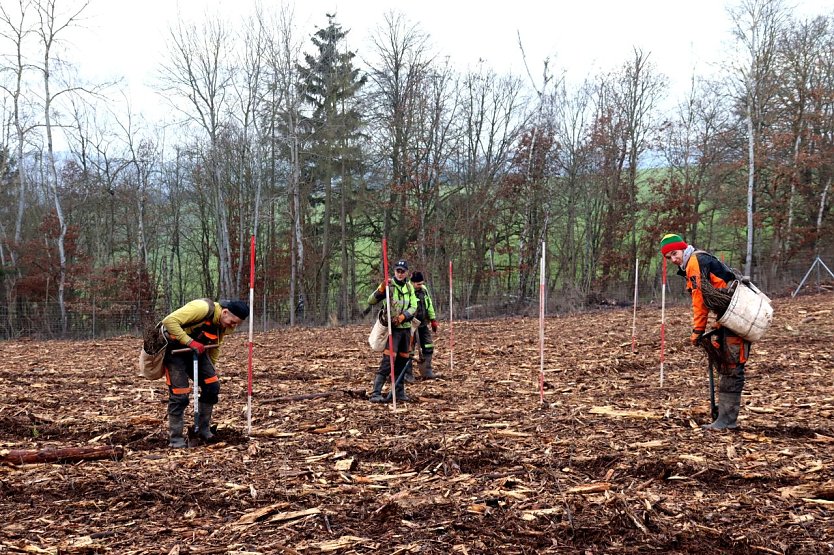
[671,242]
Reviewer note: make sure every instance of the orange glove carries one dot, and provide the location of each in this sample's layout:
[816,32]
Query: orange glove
[399,319]
[696,336]
[382,286]
[434,325]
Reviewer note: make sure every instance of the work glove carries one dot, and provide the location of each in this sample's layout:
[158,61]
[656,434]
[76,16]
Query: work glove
[434,325]
[399,319]
[197,346]
[382,286]
[696,336]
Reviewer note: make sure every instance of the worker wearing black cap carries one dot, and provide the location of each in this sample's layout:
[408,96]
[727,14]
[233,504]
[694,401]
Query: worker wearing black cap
[403,307]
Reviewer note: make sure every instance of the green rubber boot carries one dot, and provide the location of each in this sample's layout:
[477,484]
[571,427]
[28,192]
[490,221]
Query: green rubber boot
[728,408]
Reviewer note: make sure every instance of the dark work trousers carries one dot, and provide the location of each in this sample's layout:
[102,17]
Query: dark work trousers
[179,373]
[401,338]
[736,350]
[426,340]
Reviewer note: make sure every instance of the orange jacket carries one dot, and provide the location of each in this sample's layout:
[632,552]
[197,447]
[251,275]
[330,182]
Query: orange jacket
[700,265]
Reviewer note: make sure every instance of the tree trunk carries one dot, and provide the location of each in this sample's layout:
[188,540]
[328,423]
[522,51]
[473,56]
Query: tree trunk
[751,170]
[324,273]
[821,214]
[52,178]
[344,286]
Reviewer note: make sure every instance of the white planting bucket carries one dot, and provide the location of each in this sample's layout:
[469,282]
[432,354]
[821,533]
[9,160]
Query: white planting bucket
[378,337]
[749,313]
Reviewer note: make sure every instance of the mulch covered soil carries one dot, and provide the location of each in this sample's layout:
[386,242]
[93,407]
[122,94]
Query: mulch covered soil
[612,462]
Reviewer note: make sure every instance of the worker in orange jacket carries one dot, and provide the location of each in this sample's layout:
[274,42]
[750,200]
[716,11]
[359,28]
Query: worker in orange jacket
[696,266]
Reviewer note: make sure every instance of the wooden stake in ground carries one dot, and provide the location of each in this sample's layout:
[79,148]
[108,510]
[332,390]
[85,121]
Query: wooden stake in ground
[251,344]
[541,329]
[634,316]
[390,331]
[451,321]
[662,318]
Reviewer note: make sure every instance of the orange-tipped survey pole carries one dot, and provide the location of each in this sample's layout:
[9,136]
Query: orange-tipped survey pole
[251,345]
[390,330]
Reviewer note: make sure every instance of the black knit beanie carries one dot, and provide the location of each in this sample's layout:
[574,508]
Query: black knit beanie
[238,308]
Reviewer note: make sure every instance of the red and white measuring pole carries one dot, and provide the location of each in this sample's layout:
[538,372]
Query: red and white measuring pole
[390,331]
[634,316]
[451,329]
[541,329]
[251,325]
[662,318]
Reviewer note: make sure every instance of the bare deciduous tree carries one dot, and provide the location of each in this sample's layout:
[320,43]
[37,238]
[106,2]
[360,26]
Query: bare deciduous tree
[402,62]
[196,70]
[757,24]
[52,24]
[285,135]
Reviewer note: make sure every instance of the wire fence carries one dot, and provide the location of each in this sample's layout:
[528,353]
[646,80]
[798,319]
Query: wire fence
[103,318]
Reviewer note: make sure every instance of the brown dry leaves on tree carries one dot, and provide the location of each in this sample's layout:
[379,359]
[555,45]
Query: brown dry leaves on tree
[612,463]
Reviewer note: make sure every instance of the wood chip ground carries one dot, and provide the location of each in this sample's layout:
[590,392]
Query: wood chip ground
[611,463]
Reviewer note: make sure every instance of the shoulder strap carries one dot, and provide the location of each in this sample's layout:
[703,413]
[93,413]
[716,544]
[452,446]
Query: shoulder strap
[730,271]
[210,315]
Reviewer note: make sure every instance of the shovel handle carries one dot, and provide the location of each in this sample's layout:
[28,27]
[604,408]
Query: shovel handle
[189,349]
[713,408]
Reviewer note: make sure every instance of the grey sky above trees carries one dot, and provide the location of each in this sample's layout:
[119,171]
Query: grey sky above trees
[582,38]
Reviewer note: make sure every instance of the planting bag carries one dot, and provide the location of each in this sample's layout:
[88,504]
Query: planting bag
[150,363]
[749,313]
[378,338]
[379,334]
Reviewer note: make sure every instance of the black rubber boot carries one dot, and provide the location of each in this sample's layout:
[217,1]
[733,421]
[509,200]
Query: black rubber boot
[409,375]
[728,408]
[427,371]
[376,394]
[400,391]
[402,395]
[175,425]
[205,432]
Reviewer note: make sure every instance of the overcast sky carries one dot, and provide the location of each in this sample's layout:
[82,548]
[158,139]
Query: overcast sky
[126,37]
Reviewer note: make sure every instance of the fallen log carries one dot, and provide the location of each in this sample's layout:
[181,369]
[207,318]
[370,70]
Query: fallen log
[61,455]
[308,396]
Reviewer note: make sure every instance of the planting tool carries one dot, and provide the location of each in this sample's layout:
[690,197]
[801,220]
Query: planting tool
[712,406]
[193,433]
